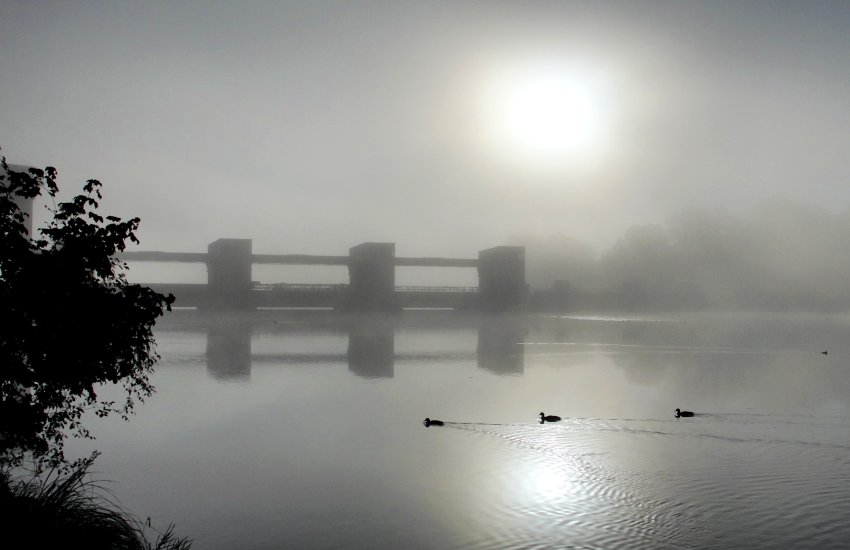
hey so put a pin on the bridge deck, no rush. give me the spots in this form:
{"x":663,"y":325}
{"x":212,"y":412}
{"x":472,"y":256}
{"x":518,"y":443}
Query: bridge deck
{"x":155,"y":256}
{"x":304,"y":287}
{"x":291,"y":259}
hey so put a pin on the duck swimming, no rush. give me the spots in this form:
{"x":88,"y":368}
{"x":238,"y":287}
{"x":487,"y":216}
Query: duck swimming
{"x":549,"y":418}
{"x":680,"y":413}
{"x":428,"y":422}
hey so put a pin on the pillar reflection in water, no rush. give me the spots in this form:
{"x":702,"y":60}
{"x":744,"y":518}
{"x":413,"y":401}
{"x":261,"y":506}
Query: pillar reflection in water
{"x":501,"y":347}
{"x":229,"y":350}
{"x":371,"y":348}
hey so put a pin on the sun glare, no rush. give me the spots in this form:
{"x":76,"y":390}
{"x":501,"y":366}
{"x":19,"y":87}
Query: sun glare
{"x":546,"y":116}
{"x":549,"y":115}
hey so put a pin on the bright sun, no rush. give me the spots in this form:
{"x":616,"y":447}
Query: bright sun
{"x":546,"y":116}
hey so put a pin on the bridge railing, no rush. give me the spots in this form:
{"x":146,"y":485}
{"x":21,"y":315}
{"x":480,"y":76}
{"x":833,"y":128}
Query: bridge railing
{"x":303,"y":287}
{"x":299,"y":287}
{"x":441,"y":289}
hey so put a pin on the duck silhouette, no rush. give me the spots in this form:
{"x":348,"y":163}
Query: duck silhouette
{"x":549,"y":418}
{"x":428,"y":422}
{"x":680,"y":413}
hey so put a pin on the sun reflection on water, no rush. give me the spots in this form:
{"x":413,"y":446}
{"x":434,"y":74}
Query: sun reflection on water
{"x":549,"y":480}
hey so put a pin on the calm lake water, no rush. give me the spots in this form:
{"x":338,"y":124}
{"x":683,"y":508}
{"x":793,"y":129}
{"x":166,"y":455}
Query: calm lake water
{"x":285,"y":430}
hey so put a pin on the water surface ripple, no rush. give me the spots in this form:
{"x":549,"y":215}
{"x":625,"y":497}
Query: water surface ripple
{"x":305,"y":431}
{"x":593,"y":493}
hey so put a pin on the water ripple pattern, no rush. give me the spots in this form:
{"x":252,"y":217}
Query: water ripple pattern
{"x":717,"y":481}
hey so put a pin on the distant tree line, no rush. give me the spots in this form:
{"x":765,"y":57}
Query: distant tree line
{"x":781,"y":256}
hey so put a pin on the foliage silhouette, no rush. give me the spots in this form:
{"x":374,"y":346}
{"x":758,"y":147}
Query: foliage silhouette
{"x":69,"y":320}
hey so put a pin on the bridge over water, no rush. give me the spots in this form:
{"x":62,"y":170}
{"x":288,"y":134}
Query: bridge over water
{"x":371,"y":287}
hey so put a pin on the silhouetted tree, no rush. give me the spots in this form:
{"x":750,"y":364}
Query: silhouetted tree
{"x":69,"y":320}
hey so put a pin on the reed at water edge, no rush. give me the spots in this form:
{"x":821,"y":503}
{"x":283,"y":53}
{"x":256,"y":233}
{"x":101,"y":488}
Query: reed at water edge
{"x":67,"y":509}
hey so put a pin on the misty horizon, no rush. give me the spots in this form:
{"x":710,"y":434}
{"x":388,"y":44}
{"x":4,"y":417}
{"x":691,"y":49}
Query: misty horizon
{"x":781,"y":255}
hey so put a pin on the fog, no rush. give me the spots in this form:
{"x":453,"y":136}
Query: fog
{"x":779,"y":255}
{"x":704,"y":165}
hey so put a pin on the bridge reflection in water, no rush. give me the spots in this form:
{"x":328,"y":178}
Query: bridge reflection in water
{"x":371,"y":348}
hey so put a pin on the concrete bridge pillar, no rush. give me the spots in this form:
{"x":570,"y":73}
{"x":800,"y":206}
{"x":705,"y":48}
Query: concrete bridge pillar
{"x":229,"y":273}
{"x":371,"y":271}
{"x":24,"y":204}
{"x":501,"y":278}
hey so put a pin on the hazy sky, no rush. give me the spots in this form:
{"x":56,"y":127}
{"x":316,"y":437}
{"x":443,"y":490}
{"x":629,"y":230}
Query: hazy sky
{"x":445,"y":127}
